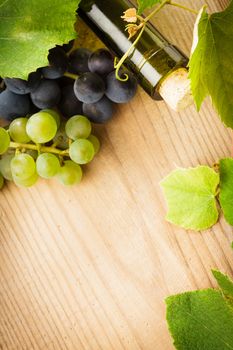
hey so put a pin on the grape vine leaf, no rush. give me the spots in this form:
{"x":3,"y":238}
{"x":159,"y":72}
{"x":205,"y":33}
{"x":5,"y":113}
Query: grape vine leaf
{"x":226,"y":188}
{"x":190,"y":195}
{"x":146,"y":4}
{"x":211,"y":68}
{"x":28,"y":29}
{"x":200,"y":320}
{"x":225,"y":284}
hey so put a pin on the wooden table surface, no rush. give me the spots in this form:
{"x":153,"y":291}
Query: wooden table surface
{"x":89,"y":267}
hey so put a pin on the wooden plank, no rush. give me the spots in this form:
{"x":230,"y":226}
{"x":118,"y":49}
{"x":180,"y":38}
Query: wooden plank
{"x":89,"y":267}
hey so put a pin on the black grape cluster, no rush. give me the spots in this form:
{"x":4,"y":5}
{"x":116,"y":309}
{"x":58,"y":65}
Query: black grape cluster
{"x":49,"y":115}
{"x":93,"y":92}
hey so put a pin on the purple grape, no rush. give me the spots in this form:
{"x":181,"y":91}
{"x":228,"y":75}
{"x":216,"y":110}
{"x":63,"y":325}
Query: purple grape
{"x":89,"y":88}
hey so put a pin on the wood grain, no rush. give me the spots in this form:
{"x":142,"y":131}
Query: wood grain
{"x":89,"y":267}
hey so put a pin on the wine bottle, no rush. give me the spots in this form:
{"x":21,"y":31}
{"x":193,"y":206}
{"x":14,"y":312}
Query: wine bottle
{"x":152,"y":59}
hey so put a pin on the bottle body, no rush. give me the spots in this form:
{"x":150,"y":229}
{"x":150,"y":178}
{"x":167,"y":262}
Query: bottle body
{"x":150,"y":60}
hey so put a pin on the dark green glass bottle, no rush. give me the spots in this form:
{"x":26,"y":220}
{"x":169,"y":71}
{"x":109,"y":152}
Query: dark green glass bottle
{"x":151,"y":60}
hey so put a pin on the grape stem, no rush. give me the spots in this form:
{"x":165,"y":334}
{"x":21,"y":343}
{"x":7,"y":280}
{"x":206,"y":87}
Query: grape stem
{"x":157,"y":9}
{"x":71,"y":75}
{"x":123,"y":58}
{"x":182,"y":7}
{"x":42,"y":148}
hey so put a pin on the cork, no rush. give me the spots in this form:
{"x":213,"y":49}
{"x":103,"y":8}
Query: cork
{"x":176,"y":90}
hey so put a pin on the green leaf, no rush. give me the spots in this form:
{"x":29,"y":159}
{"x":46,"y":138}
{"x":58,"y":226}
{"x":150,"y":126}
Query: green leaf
{"x":190,"y":194}
{"x":211,"y":68}
{"x":225,"y":284}
{"x":200,"y":320}
{"x":28,"y":29}
{"x":226,"y":188}
{"x":146,"y":4}
{"x":197,"y":69}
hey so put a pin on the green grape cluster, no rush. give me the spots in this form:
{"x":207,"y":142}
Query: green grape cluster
{"x":45,"y":146}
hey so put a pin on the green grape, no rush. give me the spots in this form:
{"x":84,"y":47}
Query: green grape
{"x":17,"y":130}
{"x":47,"y":165}
{"x":4,"y":140}
{"x":1,"y":181}
{"x":95,"y":142}
{"x":61,"y":139}
{"x":81,"y":151}
{"x":30,"y":181}
{"x":78,"y":127}
{"x":23,"y":166}
{"x":70,"y":173}
{"x":5,"y":166}
{"x":41,"y":127}
{"x":54,"y":114}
